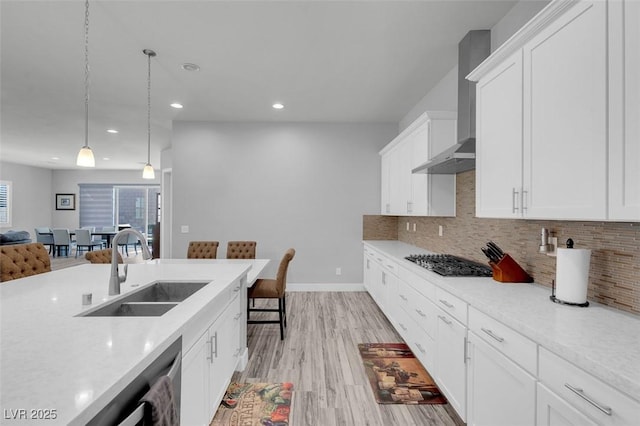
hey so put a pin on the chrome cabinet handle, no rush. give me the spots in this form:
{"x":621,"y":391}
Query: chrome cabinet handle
{"x":403,"y":297}
{"x":368,"y":265}
{"x":445,"y":303}
{"x":446,"y":321}
{"x":409,"y":207}
{"x":491,"y":334}
{"x":214,"y":352}
{"x":581,"y":394}
{"x":422,"y":314}
{"x":384,"y":279}
{"x":388,"y":207}
{"x":514,"y":198}
{"x":237,"y":289}
{"x":402,"y":326}
{"x":524,"y":199}
{"x":237,"y":317}
{"x":420,"y":347}
{"x":236,"y":353}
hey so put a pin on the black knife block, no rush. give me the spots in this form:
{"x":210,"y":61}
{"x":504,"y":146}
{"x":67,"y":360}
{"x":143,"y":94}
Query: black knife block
{"x":507,"y":270}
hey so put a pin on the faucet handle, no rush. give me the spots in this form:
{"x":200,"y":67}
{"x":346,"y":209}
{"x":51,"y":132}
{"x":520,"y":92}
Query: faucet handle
{"x":123,"y":278}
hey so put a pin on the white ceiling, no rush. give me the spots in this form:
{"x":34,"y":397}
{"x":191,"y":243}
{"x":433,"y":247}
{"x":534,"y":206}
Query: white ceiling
{"x":326,"y":61}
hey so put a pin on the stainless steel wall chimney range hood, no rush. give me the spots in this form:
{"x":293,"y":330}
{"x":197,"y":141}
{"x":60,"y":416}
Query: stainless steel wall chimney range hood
{"x":474,"y":48}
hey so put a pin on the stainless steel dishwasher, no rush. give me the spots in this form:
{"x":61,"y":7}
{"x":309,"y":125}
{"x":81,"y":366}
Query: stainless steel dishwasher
{"x":126,"y":408}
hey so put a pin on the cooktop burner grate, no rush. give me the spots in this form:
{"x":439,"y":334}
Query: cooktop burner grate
{"x":450,"y":266}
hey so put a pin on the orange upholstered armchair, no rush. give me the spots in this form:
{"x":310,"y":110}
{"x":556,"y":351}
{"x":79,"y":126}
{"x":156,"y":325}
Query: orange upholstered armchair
{"x":23,"y":260}
{"x":101,"y":256}
{"x":202,"y":250}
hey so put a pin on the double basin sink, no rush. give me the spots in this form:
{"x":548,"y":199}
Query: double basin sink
{"x":152,"y":300}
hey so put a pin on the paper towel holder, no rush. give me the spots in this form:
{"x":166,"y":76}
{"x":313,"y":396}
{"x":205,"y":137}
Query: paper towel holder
{"x":553,"y":298}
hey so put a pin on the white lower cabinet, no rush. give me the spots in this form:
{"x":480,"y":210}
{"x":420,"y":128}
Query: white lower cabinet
{"x":554,"y":411}
{"x":495,"y":379}
{"x":208,"y":365}
{"x":450,"y":361}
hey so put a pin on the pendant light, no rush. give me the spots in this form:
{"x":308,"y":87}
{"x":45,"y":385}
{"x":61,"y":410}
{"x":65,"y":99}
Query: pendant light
{"x":85,"y":156}
{"x":147,"y":172}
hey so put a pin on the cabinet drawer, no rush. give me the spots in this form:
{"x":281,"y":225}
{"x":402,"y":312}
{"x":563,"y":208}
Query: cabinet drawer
{"x":421,"y":310}
{"x":389,"y":265}
{"x":589,"y":395}
{"x":421,"y":285}
{"x":511,"y":343}
{"x":452,"y":305}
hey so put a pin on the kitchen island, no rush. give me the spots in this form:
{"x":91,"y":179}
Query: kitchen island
{"x":60,"y":368}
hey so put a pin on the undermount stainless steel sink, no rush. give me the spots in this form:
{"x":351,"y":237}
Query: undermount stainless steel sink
{"x":152,"y":300}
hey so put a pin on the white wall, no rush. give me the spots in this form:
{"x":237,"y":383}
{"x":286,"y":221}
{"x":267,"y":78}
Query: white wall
{"x":300,"y":185}
{"x":32,"y":196}
{"x":519,"y":15}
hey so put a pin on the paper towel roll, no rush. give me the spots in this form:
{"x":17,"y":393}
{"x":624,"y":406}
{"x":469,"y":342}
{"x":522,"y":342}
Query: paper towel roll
{"x":572,"y":274}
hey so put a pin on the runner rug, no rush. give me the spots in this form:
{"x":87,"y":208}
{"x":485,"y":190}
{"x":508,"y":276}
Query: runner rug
{"x":256,"y":404}
{"x":396,"y":376}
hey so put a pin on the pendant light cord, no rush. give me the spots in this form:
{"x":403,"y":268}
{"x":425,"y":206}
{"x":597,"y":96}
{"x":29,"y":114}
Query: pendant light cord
{"x":149,"y":110}
{"x":86,"y":73}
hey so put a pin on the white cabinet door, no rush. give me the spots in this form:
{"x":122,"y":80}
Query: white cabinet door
{"x":495,"y":379}
{"x":499,"y":140}
{"x":194,"y":401}
{"x":385,"y":184}
{"x":565,"y":116}
{"x":450,"y":363}
{"x":624,"y":110}
{"x":554,"y":411}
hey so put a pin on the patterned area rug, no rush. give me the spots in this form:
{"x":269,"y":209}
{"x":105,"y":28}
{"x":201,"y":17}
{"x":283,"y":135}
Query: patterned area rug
{"x":396,"y":376}
{"x":255,"y":404}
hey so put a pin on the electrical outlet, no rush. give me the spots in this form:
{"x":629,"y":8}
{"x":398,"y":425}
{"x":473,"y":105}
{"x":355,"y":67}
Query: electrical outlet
{"x":338,"y":271}
{"x":440,"y":231}
{"x":184,"y":229}
{"x":407,"y":226}
{"x":414,"y":227}
{"x":553,"y":242}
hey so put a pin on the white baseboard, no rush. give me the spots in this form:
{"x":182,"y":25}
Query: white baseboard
{"x":325,"y":287}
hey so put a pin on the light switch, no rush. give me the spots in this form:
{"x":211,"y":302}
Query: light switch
{"x":184,"y":229}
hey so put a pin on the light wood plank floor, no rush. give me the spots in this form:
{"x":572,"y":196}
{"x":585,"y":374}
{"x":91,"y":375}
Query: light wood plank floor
{"x":320,"y":357}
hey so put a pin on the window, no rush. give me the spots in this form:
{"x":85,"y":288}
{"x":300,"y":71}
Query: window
{"x":111,"y":205}
{"x":5,"y":203}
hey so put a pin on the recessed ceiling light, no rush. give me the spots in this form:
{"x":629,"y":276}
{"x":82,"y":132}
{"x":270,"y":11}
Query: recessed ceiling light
{"x":112,"y":131}
{"x":190,"y":67}
{"x":277,"y":106}
{"x":55,"y":158}
{"x":176,"y":105}
{"x":106,"y":158}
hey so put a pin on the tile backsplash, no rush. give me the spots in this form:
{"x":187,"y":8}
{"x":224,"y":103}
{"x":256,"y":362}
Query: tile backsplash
{"x":614,"y":276}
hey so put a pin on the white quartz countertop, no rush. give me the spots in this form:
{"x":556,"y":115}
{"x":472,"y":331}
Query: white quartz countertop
{"x":52,"y":359}
{"x":603,"y":341}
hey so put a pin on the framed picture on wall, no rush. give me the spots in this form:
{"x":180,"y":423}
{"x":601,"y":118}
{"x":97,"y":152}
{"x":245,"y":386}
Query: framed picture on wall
{"x":65,"y":201}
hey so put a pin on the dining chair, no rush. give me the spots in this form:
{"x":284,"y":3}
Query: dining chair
{"x":23,"y":260}
{"x":61,"y":239}
{"x":272,"y":289}
{"x":132,"y":240}
{"x":97,"y":239}
{"x":241,"y":250}
{"x":44,"y":236}
{"x":83,"y":240}
{"x":202,"y":250}
{"x":101,"y":256}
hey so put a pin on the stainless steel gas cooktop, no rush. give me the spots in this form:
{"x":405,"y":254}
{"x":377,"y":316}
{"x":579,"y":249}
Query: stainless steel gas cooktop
{"x":450,"y":266}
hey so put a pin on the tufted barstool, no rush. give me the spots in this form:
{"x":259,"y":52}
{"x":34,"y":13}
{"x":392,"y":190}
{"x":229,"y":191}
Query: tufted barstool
{"x":23,"y":260}
{"x":241,"y":250}
{"x":202,"y":250}
{"x":101,"y":256}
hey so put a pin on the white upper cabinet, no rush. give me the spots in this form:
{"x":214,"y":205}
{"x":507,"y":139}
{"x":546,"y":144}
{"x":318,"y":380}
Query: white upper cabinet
{"x":565,"y":117}
{"x":499,"y":140}
{"x":624,"y":110}
{"x":564,"y":91}
{"x":406,"y":194}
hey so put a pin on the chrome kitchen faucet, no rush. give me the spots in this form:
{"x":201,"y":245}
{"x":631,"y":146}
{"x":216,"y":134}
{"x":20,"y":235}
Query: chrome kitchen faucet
{"x":116,"y":279}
